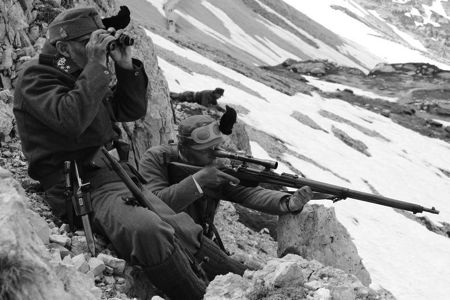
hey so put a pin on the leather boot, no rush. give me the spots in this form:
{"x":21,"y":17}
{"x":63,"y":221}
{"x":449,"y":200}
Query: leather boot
{"x":215,"y":262}
{"x":176,"y":278}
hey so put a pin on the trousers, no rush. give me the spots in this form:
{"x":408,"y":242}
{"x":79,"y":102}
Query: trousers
{"x":139,"y":235}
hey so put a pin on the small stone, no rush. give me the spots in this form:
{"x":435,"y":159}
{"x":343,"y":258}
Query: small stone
{"x":322,"y":294}
{"x":64,"y":228}
{"x":120,"y":280}
{"x":80,"y":263}
{"x":62,"y":250}
{"x":80,"y":233}
{"x":121,"y":285}
{"x":60,"y":239}
{"x":110,"y":280}
{"x":67,"y":260}
{"x":313,"y":285}
{"x":97,"y":292}
{"x":56,"y":255}
{"x":343,"y":293}
{"x":116,"y":263}
{"x":98,"y":280}
{"x":79,"y":245}
{"x":264,"y":231}
{"x":96,"y":266}
{"x":108,"y":271}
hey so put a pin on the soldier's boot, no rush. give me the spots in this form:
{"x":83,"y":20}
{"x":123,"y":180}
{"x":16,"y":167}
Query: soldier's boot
{"x":215,"y":262}
{"x":176,"y":278}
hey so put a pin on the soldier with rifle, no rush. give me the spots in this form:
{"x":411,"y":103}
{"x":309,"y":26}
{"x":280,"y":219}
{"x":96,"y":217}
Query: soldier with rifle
{"x":198,"y":193}
{"x":191,"y":176}
{"x":65,"y":111}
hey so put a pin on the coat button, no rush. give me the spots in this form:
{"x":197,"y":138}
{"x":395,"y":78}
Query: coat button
{"x":106,"y":72}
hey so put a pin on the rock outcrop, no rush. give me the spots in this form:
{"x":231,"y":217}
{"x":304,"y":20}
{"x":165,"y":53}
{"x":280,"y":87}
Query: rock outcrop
{"x":315,"y":233}
{"x":292,"y":277}
{"x":27,"y":271}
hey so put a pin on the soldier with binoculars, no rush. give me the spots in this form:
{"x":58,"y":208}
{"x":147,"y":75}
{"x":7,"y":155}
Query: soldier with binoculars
{"x":65,"y":110}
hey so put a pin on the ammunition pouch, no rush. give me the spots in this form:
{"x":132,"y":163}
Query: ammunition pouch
{"x":81,"y":200}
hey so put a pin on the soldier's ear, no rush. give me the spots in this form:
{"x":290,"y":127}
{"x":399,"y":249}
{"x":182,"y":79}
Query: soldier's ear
{"x":62,"y":48}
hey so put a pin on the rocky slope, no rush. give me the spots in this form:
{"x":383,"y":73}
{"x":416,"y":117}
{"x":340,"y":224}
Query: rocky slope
{"x":418,"y":90}
{"x":299,"y":278}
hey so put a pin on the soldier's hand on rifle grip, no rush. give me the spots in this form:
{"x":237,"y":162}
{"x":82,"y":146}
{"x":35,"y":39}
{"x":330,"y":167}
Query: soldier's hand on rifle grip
{"x":211,"y":177}
{"x":300,"y":197}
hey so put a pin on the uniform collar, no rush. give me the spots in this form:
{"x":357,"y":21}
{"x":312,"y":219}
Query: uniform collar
{"x":66,"y":65}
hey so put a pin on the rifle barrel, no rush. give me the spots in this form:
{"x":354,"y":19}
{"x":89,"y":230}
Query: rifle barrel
{"x":343,"y":193}
{"x":340,"y":192}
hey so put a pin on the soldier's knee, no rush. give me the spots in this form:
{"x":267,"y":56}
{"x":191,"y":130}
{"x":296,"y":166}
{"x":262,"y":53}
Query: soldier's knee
{"x":152,"y":241}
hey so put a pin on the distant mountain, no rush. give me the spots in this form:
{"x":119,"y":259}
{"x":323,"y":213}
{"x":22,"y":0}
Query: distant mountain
{"x":426,"y":20}
{"x":267,"y":32}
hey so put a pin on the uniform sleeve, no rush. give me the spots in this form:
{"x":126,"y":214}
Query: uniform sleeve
{"x":65,"y":109}
{"x":129,"y":100}
{"x":155,"y":171}
{"x":256,"y":198}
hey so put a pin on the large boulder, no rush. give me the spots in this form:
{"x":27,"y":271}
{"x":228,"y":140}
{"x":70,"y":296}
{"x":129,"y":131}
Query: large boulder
{"x":26,"y":269}
{"x":315,"y":233}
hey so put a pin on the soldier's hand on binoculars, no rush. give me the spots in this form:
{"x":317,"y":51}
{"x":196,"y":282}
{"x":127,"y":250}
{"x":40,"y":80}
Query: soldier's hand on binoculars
{"x":120,"y":52}
{"x":96,"y":48}
{"x":211,"y":177}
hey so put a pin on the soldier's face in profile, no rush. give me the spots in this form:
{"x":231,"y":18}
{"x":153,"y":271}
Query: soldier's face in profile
{"x":200,"y":157}
{"x":77,"y":51}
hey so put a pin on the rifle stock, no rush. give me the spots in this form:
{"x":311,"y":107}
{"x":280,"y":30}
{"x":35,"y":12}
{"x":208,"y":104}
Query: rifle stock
{"x":252,"y":177}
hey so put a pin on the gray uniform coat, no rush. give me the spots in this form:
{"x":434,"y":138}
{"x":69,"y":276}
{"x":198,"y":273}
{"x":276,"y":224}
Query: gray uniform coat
{"x":184,"y":195}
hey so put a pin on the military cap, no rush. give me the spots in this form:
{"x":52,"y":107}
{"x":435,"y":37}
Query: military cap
{"x":74,"y":24}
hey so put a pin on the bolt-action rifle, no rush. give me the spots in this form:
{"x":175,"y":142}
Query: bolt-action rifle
{"x":253,"y":176}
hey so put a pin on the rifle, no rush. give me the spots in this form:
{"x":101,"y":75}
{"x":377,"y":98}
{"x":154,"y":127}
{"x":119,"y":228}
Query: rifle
{"x":252,"y":177}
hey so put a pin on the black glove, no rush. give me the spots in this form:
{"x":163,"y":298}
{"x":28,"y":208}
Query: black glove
{"x":227,"y":120}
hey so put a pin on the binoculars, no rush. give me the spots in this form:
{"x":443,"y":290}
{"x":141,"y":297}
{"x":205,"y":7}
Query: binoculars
{"x":122,"y":40}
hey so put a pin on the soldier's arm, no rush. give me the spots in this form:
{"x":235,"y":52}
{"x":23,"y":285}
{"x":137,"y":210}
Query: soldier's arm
{"x":129,"y":101}
{"x":178,"y":195}
{"x":257,"y":198}
{"x":66,"y":109}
